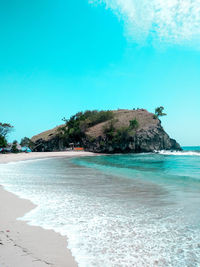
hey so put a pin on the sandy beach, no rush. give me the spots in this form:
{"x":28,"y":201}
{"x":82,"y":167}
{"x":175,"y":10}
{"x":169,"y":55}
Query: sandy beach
{"x":22,"y":245}
{"x":6,"y":158}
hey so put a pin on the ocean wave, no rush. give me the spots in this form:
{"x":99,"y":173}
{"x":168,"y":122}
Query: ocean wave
{"x":178,"y":153}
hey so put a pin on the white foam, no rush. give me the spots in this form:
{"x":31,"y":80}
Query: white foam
{"x":179,"y":153}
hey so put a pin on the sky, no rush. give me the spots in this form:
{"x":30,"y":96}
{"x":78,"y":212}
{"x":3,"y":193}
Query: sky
{"x":61,"y":57}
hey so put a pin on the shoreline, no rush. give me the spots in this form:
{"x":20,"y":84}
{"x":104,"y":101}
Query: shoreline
{"x":8,"y":158}
{"x":24,"y":245}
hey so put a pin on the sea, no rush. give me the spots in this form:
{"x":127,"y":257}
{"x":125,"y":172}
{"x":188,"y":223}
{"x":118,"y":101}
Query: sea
{"x":116,"y":210}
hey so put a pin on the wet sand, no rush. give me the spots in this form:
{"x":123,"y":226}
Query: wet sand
{"x":22,"y":245}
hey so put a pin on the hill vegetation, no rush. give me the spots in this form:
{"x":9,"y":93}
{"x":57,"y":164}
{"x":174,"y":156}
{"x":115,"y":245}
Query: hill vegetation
{"x":75,"y":128}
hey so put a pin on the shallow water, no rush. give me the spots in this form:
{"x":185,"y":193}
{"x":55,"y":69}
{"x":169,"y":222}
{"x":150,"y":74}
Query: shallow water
{"x":121,"y":210}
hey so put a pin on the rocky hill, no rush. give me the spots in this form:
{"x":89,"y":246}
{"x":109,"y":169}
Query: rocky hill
{"x":118,"y":131}
{"x":48,"y":140}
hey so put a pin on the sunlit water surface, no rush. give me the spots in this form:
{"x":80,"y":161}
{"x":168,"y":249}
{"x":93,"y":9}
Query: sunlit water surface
{"x":120,"y":210}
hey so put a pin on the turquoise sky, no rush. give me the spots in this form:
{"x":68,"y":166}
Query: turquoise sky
{"x":61,"y":57}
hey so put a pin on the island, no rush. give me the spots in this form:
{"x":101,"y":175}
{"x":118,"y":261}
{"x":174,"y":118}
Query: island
{"x":111,"y":131}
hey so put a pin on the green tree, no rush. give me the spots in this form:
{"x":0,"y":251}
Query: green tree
{"x":14,"y":148}
{"x":26,"y":142}
{"x":159,"y":112}
{"x":5,"y":129}
{"x":3,"y":142}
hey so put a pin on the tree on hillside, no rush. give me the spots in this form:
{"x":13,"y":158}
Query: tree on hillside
{"x":159,"y":112}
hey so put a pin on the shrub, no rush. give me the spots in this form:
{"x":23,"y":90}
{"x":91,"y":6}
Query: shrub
{"x":94,"y":117}
{"x":133,"y":124}
{"x":122,"y":134}
{"x":116,"y":136}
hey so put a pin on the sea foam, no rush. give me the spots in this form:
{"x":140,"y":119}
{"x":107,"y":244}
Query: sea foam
{"x":179,"y":153}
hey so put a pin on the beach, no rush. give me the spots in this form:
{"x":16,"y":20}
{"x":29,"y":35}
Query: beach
{"x":23,"y":245}
{"x":6,"y":158}
{"x":117,"y":210}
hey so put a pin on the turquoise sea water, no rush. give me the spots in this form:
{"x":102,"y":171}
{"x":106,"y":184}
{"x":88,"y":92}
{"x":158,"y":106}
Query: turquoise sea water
{"x":117,"y":210}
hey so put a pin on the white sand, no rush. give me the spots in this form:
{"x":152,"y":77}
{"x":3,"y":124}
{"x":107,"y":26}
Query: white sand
{"x":5,"y":158}
{"x":22,"y":245}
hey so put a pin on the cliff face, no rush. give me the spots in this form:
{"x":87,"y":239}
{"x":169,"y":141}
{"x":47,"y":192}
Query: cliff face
{"x":148,"y":137}
{"x":145,"y":140}
{"x":116,"y":135}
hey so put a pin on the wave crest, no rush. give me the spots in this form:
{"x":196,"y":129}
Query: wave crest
{"x":179,"y":153}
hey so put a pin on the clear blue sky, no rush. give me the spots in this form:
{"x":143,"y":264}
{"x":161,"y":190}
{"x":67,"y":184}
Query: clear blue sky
{"x":61,"y":57}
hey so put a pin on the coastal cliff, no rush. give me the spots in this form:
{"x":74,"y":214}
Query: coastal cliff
{"x":118,"y":131}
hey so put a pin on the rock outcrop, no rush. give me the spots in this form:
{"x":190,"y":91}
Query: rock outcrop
{"x":147,"y":136}
{"x":48,"y":141}
{"x":144,"y":140}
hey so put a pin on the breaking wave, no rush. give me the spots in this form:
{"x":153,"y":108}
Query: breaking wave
{"x":179,"y":153}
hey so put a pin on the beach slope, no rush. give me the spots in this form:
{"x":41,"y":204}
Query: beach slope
{"x":22,"y":245}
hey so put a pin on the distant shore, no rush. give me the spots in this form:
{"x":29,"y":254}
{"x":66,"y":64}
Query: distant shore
{"x":23,"y":245}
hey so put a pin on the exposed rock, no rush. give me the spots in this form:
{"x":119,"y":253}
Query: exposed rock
{"x":150,"y":135}
{"x":48,"y":141}
{"x":144,"y":140}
